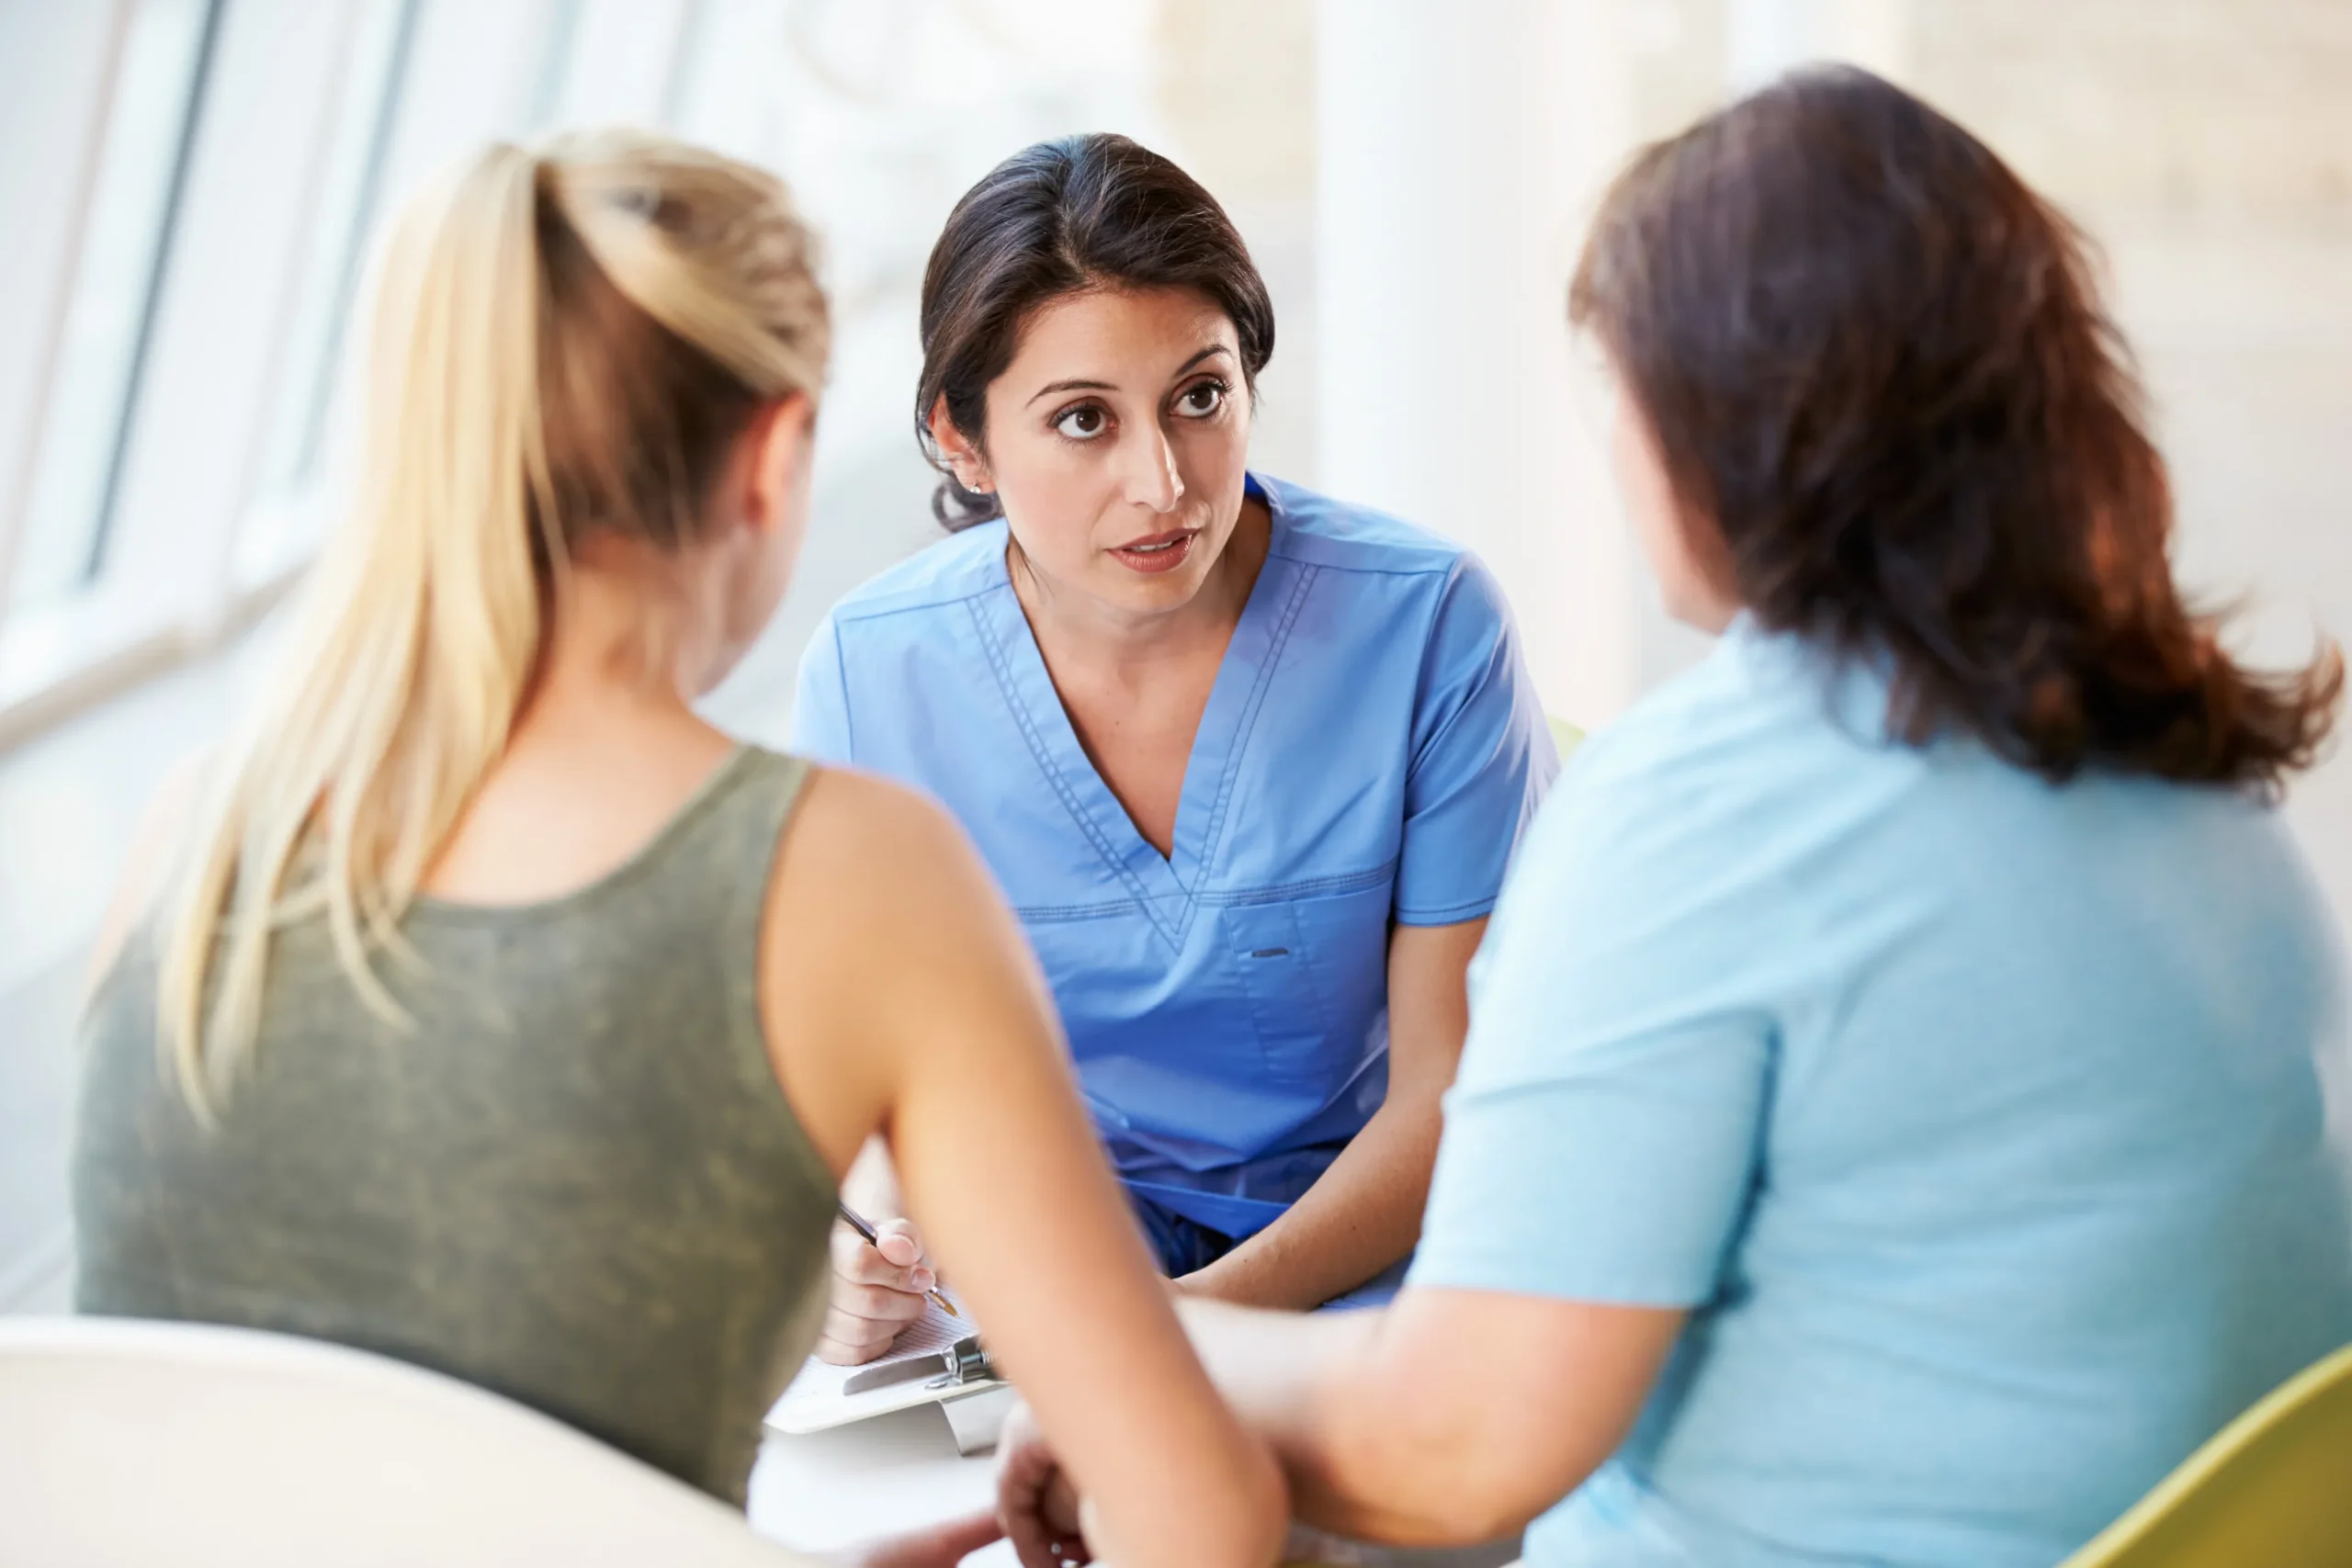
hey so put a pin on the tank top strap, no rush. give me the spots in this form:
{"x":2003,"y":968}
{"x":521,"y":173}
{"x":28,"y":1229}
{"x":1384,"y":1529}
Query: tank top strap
{"x":726,"y":850}
{"x":710,"y":870}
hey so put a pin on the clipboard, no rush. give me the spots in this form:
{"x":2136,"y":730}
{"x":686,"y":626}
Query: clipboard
{"x":937,"y":1360}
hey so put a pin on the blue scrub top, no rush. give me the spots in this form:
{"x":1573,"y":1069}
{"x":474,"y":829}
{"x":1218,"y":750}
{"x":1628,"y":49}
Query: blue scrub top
{"x":1370,"y":751}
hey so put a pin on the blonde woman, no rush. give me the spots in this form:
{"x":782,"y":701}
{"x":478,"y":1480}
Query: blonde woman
{"x":497,"y":1013}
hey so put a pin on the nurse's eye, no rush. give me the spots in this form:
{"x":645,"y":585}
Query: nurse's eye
{"x":1201,"y":398}
{"x":1083,"y":422}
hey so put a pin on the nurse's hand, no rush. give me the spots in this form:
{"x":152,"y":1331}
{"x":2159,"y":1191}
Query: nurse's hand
{"x":877,"y":1292}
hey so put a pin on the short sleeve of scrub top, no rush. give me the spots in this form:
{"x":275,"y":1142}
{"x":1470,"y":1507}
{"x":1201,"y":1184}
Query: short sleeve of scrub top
{"x":1370,"y":751}
{"x":820,"y":709}
{"x":1469,"y":767}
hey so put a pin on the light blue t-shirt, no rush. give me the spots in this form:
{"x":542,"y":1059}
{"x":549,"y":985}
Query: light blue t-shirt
{"x":1371,"y":751}
{"x":1979,"y":1122}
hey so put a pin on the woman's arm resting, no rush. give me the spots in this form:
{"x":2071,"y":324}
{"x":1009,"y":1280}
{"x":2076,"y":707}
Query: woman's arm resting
{"x":1450,"y":1417}
{"x":903,"y":996}
{"x":1365,"y":1211}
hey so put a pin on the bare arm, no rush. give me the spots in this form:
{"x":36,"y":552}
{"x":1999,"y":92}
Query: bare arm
{"x":899,"y":995}
{"x":1414,"y":1424}
{"x":1411,"y":1425}
{"x":1365,"y":1211}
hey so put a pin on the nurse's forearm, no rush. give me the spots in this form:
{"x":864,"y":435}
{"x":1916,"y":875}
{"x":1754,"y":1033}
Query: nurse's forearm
{"x":1365,"y":1212}
{"x":1363,"y":1215}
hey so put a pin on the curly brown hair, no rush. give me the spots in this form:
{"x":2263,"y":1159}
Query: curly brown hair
{"x":1883,"y":384}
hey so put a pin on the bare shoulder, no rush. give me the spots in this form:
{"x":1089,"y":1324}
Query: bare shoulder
{"x":863,"y":815}
{"x":863,"y":848}
{"x":885,"y":938}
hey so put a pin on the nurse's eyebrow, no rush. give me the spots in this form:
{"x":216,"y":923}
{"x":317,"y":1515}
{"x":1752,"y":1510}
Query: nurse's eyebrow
{"x":1209,"y":352}
{"x":1050,"y":388}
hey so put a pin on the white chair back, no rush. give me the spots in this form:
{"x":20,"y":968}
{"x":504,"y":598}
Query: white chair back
{"x":130,"y":1444}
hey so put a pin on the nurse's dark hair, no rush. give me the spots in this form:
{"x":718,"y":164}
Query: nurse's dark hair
{"x":1062,"y":218}
{"x":1897,"y":420}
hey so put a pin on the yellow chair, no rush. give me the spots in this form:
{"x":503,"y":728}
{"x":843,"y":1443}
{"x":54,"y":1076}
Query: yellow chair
{"x":2273,"y":1489}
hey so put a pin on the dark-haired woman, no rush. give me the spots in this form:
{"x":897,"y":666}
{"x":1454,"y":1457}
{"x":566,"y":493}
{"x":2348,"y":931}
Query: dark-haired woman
{"x":1248,"y":760}
{"x":1893,"y":1129}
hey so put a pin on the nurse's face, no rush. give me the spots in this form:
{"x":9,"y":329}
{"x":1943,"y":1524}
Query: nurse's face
{"x":1116,"y":443}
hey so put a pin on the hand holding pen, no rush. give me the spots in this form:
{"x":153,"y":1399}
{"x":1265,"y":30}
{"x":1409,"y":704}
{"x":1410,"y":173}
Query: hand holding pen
{"x":882,"y":1283}
{"x":858,"y":1224}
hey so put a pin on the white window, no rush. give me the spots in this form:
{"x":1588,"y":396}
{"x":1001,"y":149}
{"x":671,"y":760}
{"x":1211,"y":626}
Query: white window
{"x":156,"y":99}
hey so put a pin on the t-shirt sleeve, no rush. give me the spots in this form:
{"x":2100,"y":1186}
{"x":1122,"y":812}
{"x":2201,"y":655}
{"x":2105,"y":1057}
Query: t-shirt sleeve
{"x":1602,"y":1136}
{"x":821,"y":729}
{"x":1482,"y":758}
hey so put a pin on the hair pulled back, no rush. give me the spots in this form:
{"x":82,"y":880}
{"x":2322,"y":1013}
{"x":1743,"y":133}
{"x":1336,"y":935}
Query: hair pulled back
{"x":566,"y":339}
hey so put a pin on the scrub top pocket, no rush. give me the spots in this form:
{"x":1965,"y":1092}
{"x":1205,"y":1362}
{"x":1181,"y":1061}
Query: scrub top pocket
{"x":1159,"y":1055}
{"x":1295,"y":958}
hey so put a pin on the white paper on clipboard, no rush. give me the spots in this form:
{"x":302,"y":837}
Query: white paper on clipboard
{"x":818,"y":1400}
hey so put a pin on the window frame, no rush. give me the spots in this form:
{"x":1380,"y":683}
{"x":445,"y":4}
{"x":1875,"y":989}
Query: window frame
{"x":68,"y":239}
{"x":196,"y":430}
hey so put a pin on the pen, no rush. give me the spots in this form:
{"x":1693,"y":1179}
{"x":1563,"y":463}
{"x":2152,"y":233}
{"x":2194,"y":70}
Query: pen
{"x":857,"y":1223}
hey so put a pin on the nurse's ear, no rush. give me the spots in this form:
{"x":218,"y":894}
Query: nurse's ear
{"x":963,"y":456}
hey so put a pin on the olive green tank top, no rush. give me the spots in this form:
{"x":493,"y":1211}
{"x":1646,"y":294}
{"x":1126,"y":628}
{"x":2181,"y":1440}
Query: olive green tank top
{"x":573,"y":1180}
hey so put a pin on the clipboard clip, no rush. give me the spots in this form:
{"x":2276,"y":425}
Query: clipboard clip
{"x":966,"y":1361}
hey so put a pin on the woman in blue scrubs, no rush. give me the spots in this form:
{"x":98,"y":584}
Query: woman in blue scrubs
{"x":1250,"y":761}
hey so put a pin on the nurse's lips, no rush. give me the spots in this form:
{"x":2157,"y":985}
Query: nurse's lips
{"x":1157,"y":553}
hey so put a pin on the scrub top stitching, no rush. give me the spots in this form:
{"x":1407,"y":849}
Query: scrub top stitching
{"x":1010,"y":688}
{"x":1283,"y":892}
{"x":1251,"y":705}
{"x":1313,"y":886}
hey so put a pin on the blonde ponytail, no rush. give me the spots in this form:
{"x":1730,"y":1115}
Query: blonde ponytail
{"x":564,"y":341}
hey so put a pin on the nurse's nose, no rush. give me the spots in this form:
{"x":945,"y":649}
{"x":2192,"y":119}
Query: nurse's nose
{"x":1152,"y":481}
